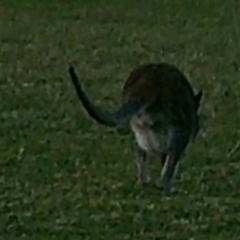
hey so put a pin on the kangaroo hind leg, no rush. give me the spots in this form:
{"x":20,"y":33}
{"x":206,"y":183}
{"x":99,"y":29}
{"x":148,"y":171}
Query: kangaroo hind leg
{"x":142,"y":166}
{"x":167,"y":170}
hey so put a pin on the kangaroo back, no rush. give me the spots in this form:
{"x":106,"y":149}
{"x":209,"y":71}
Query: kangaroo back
{"x":166,"y":91}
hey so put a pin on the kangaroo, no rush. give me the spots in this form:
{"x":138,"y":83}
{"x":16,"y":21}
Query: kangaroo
{"x":162,"y":109}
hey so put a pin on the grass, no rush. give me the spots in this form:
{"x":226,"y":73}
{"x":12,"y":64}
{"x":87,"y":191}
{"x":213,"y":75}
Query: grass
{"x":64,"y":177}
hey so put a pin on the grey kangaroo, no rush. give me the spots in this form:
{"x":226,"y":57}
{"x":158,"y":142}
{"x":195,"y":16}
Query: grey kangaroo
{"x":162,"y":109}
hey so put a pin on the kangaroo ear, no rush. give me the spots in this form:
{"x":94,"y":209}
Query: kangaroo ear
{"x":198,"y":98}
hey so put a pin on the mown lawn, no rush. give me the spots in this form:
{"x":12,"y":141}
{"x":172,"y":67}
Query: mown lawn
{"x":62,"y":176}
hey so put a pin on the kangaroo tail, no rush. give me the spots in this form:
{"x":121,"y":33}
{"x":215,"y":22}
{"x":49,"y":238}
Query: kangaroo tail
{"x":112,"y":119}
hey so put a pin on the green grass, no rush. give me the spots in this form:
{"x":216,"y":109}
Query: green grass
{"x":62,"y":176}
